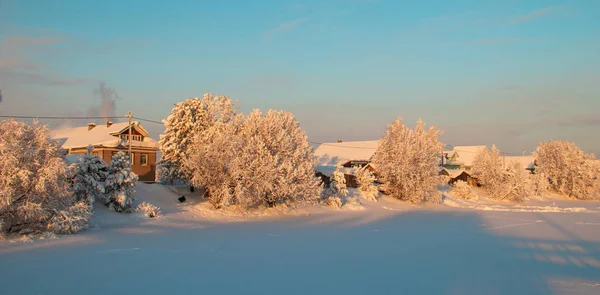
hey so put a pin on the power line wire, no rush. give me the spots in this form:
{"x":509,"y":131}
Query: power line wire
{"x":147,"y":120}
{"x":58,"y":118}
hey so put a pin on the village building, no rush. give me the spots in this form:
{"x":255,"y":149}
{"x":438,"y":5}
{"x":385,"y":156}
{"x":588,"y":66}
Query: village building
{"x":347,"y":155}
{"x":109,"y":139}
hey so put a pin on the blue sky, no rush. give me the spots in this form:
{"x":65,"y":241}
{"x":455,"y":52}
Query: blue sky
{"x":511,"y":73}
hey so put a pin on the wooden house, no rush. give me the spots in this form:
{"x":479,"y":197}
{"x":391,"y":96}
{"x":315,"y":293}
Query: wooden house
{"x":347,"y":155}
{"x":111,"y":138}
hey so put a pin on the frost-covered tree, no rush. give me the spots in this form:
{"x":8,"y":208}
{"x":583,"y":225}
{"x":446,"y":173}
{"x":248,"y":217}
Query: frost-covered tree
{"x":187,"y":119}
{"x":517,"y":184}
{"x":89,"y":173}
{"x":35,"y":184}
{"x":487,"y":169}
{"x":512,"y":183}
{"x":337,"y":184}
{"x":407,"y":162}
{"x":254,"y":159}
{"x":463,"y":190}
{"x":366,"y":183}
{"x":570,"y":171}
{"x":120,"y":183}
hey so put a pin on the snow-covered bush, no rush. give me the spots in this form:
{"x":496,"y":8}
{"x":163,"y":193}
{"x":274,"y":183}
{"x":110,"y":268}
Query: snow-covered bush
{"x":187,"y":119}
{"x":517,"y":186}
{"x":487,"y":169}
{"x":337,"y":185}
{"x":72,"y":219}
{"x":88,"y":177}
{"x":407,"y":162}
{"x":569,"y":170}
{"x":120,"y":183}
{"x":513,"y":183}
{"x":462,"y":190}
{"x":366,"y":183}
{"x":253,"y":159}
{"x":334,"y":202}
{"x":539,"y":183}
{"x":148,"y":210}
{"x":35,"y":187}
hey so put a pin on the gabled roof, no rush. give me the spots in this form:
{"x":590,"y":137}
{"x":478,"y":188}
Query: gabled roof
{"x":334,"y":153}
{"x":101,"y":136}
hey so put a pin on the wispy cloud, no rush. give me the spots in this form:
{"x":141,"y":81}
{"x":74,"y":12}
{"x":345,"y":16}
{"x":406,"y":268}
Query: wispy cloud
{"x":533,"y":15}
{"x":286,"y":27}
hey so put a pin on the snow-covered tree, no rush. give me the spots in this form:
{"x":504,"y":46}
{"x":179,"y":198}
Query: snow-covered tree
{"x":120,"y":183}
{"x":517,"y":184}
{"x":512,"y":183}
{"x":337,"y":184}
{"x":463,"y":190}
{"x":187,"y":119}
{"x":407,"y":162}
{"x":253,"y":159}
{"x":570,"y":171}
{"x":35,"y":187}
{"x":487,"y":169}
{"x":366,"y":183}
{"x":89,"y":172}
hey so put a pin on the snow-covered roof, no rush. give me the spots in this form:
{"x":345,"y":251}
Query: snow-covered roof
{"x":525,"y":161}
{"x":328,"y":170}
{"x":101,"y":135}
{"x":334,"y":153}
{"x":453,"y":173}
{"x":467,"y":154}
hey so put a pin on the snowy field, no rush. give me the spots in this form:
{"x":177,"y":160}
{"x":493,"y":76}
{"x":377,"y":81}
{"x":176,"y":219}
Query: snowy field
{"x":546,"y":246}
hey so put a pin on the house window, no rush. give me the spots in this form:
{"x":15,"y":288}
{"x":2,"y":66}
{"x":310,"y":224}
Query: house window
{"x":132,"y":158}
{"x":133,"y":136}
{"x":144,"y":159}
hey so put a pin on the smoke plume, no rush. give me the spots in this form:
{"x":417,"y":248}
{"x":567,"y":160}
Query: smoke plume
{"x":107,"y":107}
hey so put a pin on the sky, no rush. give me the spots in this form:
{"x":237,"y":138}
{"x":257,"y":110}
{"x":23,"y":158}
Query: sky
{"x":511,"y":73}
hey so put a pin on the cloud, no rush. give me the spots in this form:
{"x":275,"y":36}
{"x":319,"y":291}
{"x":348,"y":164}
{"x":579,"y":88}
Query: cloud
{"x":496,"y":41}
{"x":286,"y":27}
{"x":533,"y":15}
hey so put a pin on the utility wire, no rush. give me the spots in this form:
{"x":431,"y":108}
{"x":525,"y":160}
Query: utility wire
{"x":159,"y":122}
{"x":59,"y":118}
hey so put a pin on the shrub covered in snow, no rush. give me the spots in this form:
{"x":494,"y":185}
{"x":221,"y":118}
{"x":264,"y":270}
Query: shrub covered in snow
{"x":35,"y":188}
{"x":120,"y":183}
{"x":511,"y":184}
{"x":72,"y":219}
{"x":487,"y":168}
{"x":253,"y":159}
{"x":334,"y":202}
{"x":366,"y":183}
{"x":337,"y":185}
{"x":187,"y":119}
{"x":148,"y":210}
{"x":88,"y":177}
{"x":462,"y":190}
{"x":570,"y":171}
{"x":407,"y":162}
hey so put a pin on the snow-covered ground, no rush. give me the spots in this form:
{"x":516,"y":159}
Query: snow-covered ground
{"x":547,"y":246}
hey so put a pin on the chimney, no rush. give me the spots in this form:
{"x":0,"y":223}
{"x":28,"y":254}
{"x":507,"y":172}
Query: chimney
{"x":91,"y":126}
{"x":108,"y":123}
{"x":339,"y":140}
